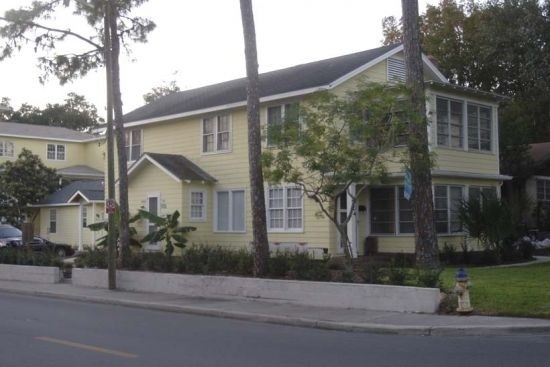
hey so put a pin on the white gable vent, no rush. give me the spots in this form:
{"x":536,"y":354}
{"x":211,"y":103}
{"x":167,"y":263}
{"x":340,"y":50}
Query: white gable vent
{"x":396,"y":70}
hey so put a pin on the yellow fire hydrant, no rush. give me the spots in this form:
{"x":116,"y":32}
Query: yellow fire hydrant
{"x":462,"y":290}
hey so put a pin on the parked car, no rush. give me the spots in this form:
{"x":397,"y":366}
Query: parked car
{"x":13,"y":237}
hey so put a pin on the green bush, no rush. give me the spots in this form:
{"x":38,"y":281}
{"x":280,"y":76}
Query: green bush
{"x":430,"y":278}
{"x":18,"y":256}
{"x":372,"y":273}
{"x":92,"y":258}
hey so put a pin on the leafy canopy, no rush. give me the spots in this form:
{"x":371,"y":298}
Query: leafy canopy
{"x":335,"y":141}
{"x":164,"y":90}
{"x":36,"y":25}
{"x":24,"y":181}
{"x":76,"y":114}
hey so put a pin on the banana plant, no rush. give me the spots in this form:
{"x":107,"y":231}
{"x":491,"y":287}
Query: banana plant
{"x":167,"y":230}
{"x":104,"y":226}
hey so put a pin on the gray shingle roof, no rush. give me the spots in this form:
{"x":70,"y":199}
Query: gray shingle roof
{"x":93,"y":190}
{"x":310,"y":75}
{"x":42,"y":131}
{"x":180,"y":167}
{"x":80,"y":171}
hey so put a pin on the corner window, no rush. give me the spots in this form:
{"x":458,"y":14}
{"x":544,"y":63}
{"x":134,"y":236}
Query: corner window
{"x":449,"y":123}
{"x":277,"y":118}
{"x":447,"y":202}
{"x":6,"y":149}
{"x":230,"y":215}
{"x":285,"y":209}
{"x":216,"y":134}
{"x":53,"y":221}
{"x":133,"y":145}
{"x":479,"y":127}
{"x":56,"y":152}
{"x":197,"y":209}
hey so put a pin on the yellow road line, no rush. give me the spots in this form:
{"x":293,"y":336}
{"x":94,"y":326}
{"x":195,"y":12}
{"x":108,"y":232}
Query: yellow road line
{"x":87,"y":347}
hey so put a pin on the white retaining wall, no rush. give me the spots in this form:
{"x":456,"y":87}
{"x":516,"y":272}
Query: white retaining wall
{"x":36,"y":274}
{"x":338,"y":295}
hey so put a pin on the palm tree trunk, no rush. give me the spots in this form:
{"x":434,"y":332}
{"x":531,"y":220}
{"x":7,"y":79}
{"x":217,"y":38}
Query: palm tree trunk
{"x":422,"y":199}
{"x":257,"y":197}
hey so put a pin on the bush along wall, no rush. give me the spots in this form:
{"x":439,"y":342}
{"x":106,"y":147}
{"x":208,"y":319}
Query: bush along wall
{"x":217,"y":260}
{"x":17,"y":256}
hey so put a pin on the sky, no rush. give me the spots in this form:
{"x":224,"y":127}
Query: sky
{"x":200,"y":42}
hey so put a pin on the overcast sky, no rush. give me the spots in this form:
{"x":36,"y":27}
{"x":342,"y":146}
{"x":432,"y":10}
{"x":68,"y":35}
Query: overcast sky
{"x":199,"y":42}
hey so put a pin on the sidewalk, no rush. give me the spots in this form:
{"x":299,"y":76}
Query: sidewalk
{"x":317,"y":317}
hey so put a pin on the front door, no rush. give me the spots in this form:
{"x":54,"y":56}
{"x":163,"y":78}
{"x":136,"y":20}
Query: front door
{"x":153,"y":208}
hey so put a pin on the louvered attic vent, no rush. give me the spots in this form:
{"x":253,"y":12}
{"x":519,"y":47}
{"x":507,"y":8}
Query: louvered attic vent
{"x":396,"y":70}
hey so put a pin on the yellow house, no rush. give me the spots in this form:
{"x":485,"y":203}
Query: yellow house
{"x":76,"y":156}
{"x":188,"y":152}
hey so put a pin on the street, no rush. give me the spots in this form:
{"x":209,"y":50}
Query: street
{"x":37,"y":331}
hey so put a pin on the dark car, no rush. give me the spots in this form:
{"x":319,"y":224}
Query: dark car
{"x":13,"y":237}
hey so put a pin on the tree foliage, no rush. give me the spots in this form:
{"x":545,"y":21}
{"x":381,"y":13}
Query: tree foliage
{"x":104,"y":226}
{"x":501,"y":46}
{"x":36,"y":25}
{"x":336,"y":142}
{"x":76,"y":114}
{"x":24,"y":181}
{"x":161,"y":91}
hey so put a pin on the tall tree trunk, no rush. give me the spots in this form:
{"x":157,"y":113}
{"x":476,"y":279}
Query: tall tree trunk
{"x":257,"y":197}
{"x":111,"y":240}
{"x":120,"y":139}
{"x":422,"y":198}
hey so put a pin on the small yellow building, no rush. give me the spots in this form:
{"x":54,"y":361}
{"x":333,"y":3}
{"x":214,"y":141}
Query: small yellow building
{"x":188,"y":152}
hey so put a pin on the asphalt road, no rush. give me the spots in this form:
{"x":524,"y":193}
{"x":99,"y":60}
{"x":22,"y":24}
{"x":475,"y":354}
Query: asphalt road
{"x":36,"y":331}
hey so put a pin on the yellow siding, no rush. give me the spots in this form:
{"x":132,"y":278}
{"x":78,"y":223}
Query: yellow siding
{"x":94,"y":154}
{"x":67,"y":224}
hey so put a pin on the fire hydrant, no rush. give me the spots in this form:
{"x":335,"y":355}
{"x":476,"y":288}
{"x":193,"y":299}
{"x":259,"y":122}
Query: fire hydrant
{"x":462,"y":290}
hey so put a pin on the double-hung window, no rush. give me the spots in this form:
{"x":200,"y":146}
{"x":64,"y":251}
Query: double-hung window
{"x":543,"y":191}
{"x":6,"y":148}
{"x":449,"y":122}
{"x":479,"y":127}
{"x":285,"y":209}
{"x":230,"y":214}
{"x":279,"y":119}
{"x":53,"y":221}
{"x":56,"y":152}
{"x":133,"y":145}
{"x":197,"y":210}
{"x":388,"y":207}
{"x":447,"y":202}
{"x":478,"y":192}
{"x":216,"y":134}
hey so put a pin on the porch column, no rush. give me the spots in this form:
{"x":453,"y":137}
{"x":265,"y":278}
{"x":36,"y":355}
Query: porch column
{"x":352,"y":224}
{"x":79,"y":226}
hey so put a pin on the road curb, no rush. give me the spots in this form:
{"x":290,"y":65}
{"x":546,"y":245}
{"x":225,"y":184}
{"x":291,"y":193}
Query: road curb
{"x":417,"y":330}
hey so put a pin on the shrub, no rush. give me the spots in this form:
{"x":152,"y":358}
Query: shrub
{"x":92,"y":258}
{"x":20,"y":256}
{"x":448,"y":254}
{"x":429,"y":278}
{"x":372,"y":273}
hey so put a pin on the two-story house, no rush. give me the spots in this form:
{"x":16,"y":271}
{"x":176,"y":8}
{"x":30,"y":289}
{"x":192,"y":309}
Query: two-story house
{"x":77,"y":157}
{"x":188,"y":152}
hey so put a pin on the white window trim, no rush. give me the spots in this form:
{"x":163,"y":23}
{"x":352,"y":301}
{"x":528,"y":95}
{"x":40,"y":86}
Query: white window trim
{"x":492,"y":130}
{"x":204,"y":205}
{"x":56,"y":146}
{"x":129,"y":145}
{"x":285,"y":209}
{"x":463,"y":123}
{"x":84,"y":216}
{"x":397,"y":231}
{"x":398,"y":79}
{"x":4,"y":144}
{"x":266,"y":143}
{"x":215,"y":221}
{"x":216,"y":151}
{"x":433,"y":123}
{"x":448,"y":188}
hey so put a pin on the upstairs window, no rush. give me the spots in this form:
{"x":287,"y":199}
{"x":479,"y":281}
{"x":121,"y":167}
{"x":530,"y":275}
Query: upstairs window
{"x":216,"y":134}
{"x":479,"y":127}
{"x":278,"y":119}
{"x":56,"y":152}
{"x":449,"y":123}
{"x":6,"y":148}
{"x":133,"y":145}
{"x":396,"y":70}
